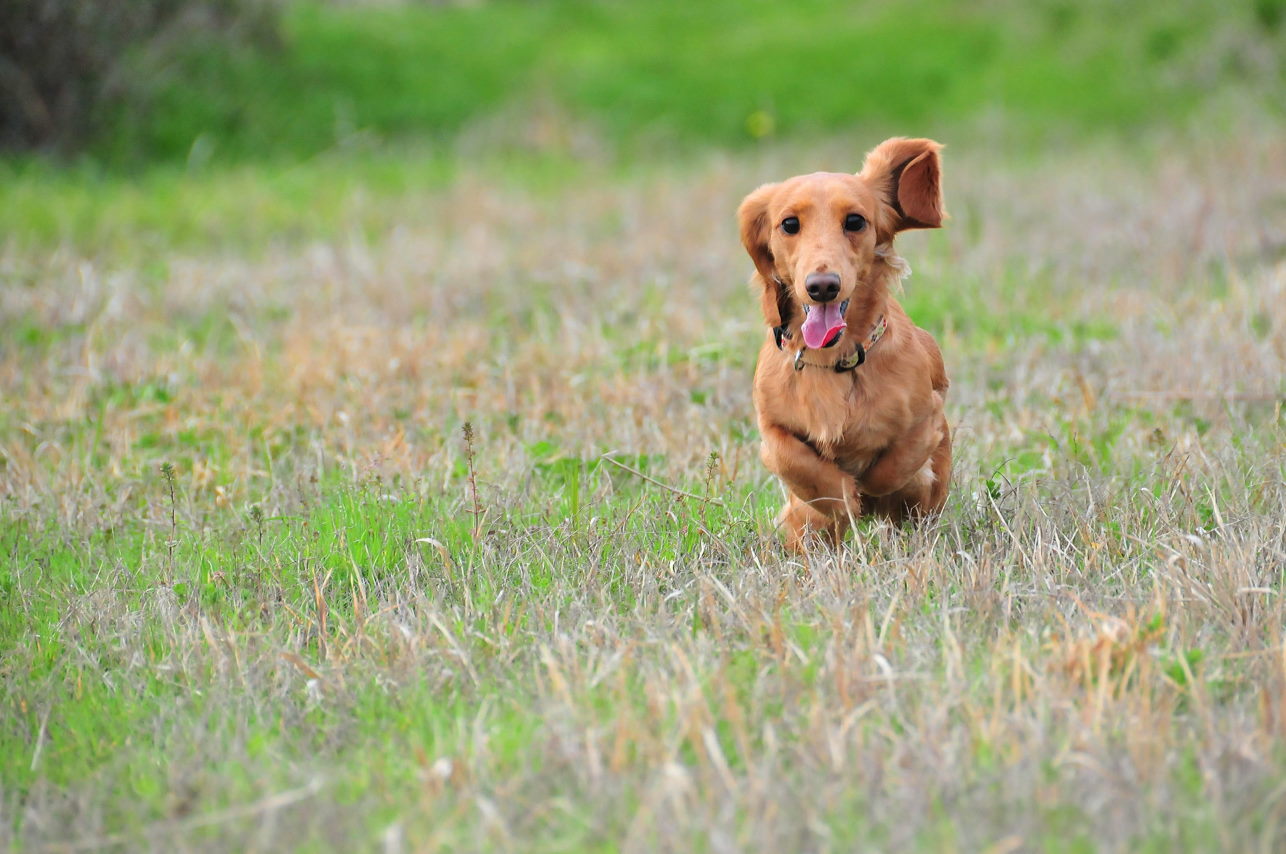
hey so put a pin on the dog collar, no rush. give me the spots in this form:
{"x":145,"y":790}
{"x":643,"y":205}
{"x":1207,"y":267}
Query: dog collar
{"x":845,"y":364}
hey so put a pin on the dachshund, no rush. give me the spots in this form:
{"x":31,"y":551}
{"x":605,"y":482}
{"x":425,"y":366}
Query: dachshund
{"x":848,"y":392}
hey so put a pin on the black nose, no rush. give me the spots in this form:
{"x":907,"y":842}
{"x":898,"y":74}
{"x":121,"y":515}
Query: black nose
{"x":822,"y":287}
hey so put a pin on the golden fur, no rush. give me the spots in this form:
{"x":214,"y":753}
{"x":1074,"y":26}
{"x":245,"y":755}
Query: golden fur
{"x":875,"y":439}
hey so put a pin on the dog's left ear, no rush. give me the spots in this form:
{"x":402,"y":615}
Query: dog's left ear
{"x":755,"y":231}
{"x":907,"y":173}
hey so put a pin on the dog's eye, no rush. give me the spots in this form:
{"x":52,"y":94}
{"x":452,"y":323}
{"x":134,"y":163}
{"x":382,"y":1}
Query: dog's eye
{"x":854,"y":222}
{"x":790,"y":225}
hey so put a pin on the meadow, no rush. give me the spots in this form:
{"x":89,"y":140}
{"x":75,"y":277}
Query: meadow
{"x":404,"y":494}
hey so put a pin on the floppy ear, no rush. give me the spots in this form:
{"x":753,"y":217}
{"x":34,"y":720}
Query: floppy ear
{"x":907,"y":173}
{"x":755,"y":230}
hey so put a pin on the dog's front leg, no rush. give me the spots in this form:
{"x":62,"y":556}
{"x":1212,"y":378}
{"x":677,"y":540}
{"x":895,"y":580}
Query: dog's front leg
{"x":822,"y":497}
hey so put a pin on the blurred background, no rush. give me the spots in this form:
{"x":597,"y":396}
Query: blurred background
{"x":316,"y":98}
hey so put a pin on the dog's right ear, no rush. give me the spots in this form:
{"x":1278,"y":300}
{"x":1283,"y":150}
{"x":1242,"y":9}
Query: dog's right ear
{"x":755,"y":231}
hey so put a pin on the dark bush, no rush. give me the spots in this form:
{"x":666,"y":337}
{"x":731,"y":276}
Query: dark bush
{"x":65,"y":63}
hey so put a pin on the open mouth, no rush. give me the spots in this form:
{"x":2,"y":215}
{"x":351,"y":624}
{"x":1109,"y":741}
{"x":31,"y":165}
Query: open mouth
{"x":823,"y":324}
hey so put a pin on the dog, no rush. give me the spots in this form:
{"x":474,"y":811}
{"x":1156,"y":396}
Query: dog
{"x":848,"y":392}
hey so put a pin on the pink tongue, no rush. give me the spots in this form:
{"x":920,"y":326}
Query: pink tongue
{"x":822,"y":322}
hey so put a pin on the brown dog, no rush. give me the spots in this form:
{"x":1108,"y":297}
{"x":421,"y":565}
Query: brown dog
{"x":848,"y":391}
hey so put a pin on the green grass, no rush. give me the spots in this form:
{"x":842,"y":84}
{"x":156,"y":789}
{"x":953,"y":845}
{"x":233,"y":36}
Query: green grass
{"x":719,"y":72}
{"x":117,"y":697}
{"x":124,"y":655}
{"x":257,"y":591}
{"x":360,"y":110}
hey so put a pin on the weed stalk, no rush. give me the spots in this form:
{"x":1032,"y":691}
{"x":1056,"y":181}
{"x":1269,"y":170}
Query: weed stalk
{"x":167,"y":471}
{"x":473,"y":479}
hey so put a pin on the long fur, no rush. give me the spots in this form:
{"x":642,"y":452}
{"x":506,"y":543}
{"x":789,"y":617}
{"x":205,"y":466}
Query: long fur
{"x":874,"y":440}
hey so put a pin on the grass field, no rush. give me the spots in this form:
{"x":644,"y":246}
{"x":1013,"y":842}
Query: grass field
{"x":402,"y":500}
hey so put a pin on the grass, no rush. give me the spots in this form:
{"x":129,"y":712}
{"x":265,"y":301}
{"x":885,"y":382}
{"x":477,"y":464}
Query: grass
{"x":671,"y":73}
{"x":374,"y":471}
{"x":365,"y":107}
{"x":249,"y":206}
{"x":259,"y":591}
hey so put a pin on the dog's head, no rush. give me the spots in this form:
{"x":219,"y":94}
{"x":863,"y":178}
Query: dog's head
{"x":818,"y":240}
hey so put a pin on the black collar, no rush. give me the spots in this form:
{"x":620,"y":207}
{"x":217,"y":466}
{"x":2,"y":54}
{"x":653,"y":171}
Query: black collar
{"x":840,"y":366}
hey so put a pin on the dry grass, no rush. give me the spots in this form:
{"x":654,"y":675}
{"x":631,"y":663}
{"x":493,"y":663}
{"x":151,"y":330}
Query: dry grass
{"x":1085,"y":652}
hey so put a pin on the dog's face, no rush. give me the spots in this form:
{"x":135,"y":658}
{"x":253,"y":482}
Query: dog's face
{"x":814,"y":238}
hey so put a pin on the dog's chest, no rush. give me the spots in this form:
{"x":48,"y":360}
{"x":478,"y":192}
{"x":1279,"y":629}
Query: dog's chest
{"x":840,"y":417}
{"x":845,"y":421}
